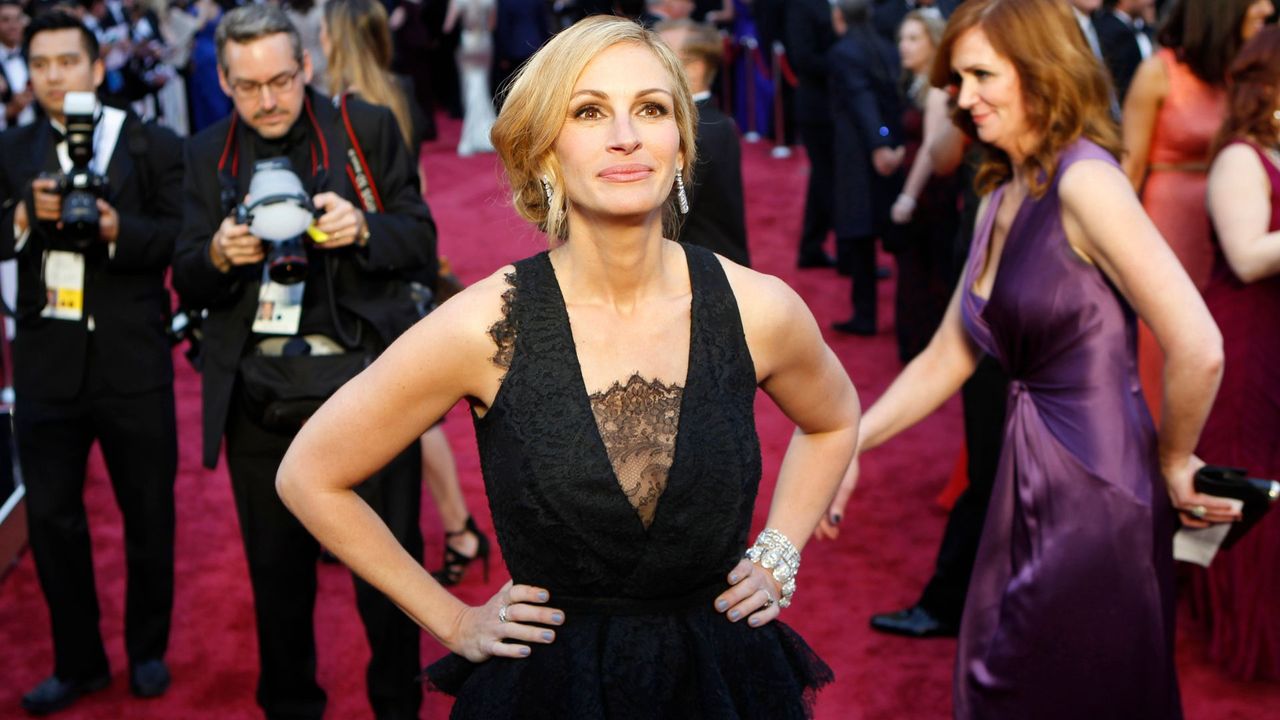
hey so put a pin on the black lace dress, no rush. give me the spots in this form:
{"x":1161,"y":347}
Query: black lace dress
{"x":630,"y":506}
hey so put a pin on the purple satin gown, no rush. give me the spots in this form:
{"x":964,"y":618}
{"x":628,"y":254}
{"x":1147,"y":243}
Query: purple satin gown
{"x":1070,"y":610}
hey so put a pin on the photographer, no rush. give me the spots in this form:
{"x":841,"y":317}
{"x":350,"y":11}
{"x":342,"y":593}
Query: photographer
{"x":91,"y":210}
{"x":274,"y":352}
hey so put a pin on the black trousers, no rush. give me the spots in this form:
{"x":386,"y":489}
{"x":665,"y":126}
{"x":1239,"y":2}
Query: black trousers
{"x":139,"y":441}
{"x":819,"y":145}
{"x":985,"y":396}
{"x":856,"y":257}
{"x":282,"y":559}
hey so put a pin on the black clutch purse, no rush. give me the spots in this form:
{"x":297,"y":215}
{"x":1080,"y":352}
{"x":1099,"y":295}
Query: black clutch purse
{"x":1258,"y":495}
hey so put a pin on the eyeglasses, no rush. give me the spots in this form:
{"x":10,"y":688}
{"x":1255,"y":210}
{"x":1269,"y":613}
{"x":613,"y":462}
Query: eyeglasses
{"x":252,"y":90}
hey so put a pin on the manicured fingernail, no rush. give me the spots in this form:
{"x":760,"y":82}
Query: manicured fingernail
{"x":836,"y":518}
{"x":722,"y":605}
{"x":524,"y":651}
{"x":733,"y":579}
{"x":548,"y":635}
{"x":542,"y":596}
{"x":734,"y":615}
{"x":557,"y":618}
{"x":754,"y":621}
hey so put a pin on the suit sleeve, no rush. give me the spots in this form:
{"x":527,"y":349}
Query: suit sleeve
{"x":9,"y":199}
{"x":146,"y":237}
{"x":851,"y":89}
{"x":197,"y":281}
{"x":402,"y":236}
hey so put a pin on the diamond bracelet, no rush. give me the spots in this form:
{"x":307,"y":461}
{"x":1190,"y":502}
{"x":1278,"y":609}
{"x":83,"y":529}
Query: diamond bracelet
{"x":773,"y":551}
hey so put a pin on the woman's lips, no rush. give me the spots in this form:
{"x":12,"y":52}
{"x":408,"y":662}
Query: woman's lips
{"x":626,"y":173}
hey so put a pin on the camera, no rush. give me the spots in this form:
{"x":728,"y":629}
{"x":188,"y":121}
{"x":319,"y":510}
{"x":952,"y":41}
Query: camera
{"x":278,"y":211}
{"x":81,"y":187}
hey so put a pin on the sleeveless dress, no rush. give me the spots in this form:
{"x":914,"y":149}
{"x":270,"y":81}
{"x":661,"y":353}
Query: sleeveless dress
{"x":641,"y":638}
{"x":1238,"y":596}
{"x":1070,"y":609}
{"x":1173,"y":194}
{"x":475,"y":55}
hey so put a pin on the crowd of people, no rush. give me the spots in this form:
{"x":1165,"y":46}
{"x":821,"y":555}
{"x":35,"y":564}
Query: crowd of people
{"x":1080,"y":198}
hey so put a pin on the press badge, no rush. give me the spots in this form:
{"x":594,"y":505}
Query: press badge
{"x":64,"y":285}
{"x":279,"y":307}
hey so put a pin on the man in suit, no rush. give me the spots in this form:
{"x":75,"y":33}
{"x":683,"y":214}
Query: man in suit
{"x":91,"y":361}
{"x":15,"y":95}
{"x":1126,"y":39}
{"x":716,"y":218}
{"x":353,"y":303}
{"x":521,"y":28}
{"x":862,"y":72}
{"x":808,"y":35}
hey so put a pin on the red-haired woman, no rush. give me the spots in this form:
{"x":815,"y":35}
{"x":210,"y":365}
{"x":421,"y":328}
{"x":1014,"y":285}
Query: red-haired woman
{"x":1237,"y":596}
{"x":1070,"y":609}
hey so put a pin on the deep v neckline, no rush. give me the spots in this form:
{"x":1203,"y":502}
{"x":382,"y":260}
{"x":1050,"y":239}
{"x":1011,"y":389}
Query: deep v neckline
{"x":582,"y":398}
{"x":983,"y":257}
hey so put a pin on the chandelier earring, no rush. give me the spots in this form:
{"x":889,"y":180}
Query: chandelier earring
{"x":547,"y":189}
{"x":681,"y":197}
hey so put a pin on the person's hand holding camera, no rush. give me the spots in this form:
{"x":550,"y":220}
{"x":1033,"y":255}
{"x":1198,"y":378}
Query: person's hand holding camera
{"x":341,"y":221}
{"x":108,"y":222}
{"x":234,"y":245}
{"x":47,"y":200}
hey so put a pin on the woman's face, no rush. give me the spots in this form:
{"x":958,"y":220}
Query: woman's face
{"x":915,"y":46}
{"x":619,"y":147}
{"x":1255,"y":16}
{"x":991,"y":92}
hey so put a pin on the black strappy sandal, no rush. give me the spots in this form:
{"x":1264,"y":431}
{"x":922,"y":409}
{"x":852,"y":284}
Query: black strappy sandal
{"x":455,"y":563}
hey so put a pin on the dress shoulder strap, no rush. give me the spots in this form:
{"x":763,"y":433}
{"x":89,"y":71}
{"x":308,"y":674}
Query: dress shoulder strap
{"x":717,"y":333}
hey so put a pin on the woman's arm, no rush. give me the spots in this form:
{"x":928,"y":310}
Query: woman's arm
{"x":1106,"y":225}
{"x":450,"y":17}
{"x":368,"y":422}
{"x":1240,"y":206}
{"x":1141,"y":106}
{"x":942,"y":139}
{"x":805,"y":378}
{"x":922,"y":166}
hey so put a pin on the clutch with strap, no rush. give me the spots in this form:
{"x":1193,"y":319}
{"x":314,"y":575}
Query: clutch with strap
{"x":1257,"y":494}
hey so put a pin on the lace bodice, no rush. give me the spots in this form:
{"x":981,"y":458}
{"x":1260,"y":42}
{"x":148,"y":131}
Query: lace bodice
{"x":637,"y":421}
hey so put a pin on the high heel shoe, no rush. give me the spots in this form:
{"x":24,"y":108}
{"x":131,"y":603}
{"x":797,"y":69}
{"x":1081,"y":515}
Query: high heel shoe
{"x":455,"y":563}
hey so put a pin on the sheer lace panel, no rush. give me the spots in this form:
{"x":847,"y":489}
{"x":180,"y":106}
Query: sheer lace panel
{"x":638,"y":423}
{"x":503,"y":331}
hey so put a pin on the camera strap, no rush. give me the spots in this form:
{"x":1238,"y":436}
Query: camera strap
{"x":357,"y":166}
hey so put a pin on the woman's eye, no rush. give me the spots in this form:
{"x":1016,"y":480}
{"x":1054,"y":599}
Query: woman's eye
{"x":653,"y":110}
{"x":588,"y":112}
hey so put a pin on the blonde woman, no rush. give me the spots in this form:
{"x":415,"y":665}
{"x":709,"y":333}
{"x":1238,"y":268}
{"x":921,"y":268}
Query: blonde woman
{"x":612,"y":381}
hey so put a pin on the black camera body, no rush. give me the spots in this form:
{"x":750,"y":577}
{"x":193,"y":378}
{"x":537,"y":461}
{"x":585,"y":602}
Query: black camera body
{"x":81,"y":187}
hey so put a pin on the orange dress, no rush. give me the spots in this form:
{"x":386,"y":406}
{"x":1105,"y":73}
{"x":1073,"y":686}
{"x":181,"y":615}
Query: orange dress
{"x":1174,"y":192}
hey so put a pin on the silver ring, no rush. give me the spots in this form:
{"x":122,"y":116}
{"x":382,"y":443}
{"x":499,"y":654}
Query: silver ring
{"x":768,"y":599}
{"x":1199,"y":511}
{"x":502,"y":614}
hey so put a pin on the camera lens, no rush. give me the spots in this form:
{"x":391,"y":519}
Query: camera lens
{"x":287,"y":262}
{"x":79,"y":218}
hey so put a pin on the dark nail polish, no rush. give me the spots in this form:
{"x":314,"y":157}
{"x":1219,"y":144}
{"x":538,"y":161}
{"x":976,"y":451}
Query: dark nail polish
{"x":557,"y":618}
{"x":836,"y":518}
{"x":548,"y":635}
{"x":722,"y":605}
{"x":735,"y":615}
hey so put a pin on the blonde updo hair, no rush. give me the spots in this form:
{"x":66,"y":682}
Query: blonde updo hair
{"x":537,"y":103}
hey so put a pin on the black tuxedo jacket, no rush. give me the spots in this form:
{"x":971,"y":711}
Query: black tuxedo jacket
{"x":808,"y":35}
{"x":867,"y":113}
{"x":716,"y":218}
{"x":368,"y":282}
{"x":124,"y":293}
{"x":1120,"y":49}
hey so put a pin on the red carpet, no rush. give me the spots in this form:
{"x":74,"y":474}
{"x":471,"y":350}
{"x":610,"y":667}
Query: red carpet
{"x":881,"y":562}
